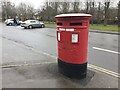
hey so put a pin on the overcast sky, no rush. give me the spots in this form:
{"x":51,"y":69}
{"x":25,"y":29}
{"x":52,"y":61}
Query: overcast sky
{"x":38,"y":3}
{"x":35,"y":3}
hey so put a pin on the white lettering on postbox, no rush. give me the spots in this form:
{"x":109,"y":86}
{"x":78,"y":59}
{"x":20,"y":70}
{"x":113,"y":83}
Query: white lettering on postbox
{"x":69,"y":29}
{"x":62,"y":29}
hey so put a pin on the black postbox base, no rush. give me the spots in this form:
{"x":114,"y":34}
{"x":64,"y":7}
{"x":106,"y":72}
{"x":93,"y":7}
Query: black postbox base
{"x":76,"y":71}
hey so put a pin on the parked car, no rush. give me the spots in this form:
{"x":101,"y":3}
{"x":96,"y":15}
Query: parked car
{"x":10,"y":22}
{"x":29,"y":24}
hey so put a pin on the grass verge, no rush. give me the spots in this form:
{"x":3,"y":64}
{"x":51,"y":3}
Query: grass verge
{"x":113,"y":28}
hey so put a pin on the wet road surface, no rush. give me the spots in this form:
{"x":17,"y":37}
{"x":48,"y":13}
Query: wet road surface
{"x":44,"y":40}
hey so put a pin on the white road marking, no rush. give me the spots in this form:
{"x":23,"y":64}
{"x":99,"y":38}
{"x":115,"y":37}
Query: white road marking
{"x":19,"y":65}
{"x":106,"y":50}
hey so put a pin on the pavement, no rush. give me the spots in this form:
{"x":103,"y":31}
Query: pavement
{"x":43,"y":72}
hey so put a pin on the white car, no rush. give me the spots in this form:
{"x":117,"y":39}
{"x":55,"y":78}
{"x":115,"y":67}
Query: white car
{"x":10,"y":22}
{"x":32,"y":24}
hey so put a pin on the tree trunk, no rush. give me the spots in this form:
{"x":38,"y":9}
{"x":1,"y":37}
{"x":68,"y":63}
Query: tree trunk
{"x":107,"y":4}
{"x":87,"y":7}
{"x":92,"y":11}
{"x":119,"y":14}
{"x":98,"y":13}
{"x":65,"y":7}
{"x":76,"y":7}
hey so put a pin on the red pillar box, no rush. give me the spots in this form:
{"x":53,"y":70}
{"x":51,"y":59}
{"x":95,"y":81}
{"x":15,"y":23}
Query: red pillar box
{"x":72,"y":37}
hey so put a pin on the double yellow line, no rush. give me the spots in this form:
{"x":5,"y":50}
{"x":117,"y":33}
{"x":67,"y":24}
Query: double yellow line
{"x":104,"y":70}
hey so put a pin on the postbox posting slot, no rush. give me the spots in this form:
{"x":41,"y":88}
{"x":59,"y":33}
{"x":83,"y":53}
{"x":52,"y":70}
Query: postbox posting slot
{"x":75,"y":37}
{"x":76,"y":24}
{"x":59,"y":23}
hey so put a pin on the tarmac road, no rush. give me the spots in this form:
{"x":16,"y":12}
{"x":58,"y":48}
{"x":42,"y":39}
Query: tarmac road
{"x":102,"y":51}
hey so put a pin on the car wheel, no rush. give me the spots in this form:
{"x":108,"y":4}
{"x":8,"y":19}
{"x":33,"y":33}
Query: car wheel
{"x":30,"y":27}
{"x":43,"y":26}
{"x":10,"y":24}
{"x":7,"y":24}
{"x":25,"y":27}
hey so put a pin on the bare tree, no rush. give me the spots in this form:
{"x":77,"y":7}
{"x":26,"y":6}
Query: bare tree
{"x":47,"y":11}
{"x":8,"y":10}
{"x":25,"y":11}
{"x":0,"y":11}
{"x":65,"y":7}
{"x":38,"y":14}
{"x":87,"y":6}
{"x":30,"y":12}
{"x":55,"y":6}
{"x":119,"y":14}
{"x":106,"y":10}
{"x":22,"y":11}
{"x":76,"y":6}
{"x":99,"y":13}
{"x":92,"y":10}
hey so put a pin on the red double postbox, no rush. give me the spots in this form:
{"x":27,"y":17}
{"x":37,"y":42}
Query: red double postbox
{"x":72,"y":37}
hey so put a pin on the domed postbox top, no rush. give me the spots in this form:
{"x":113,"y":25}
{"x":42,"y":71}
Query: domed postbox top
{"x":73,"y":15}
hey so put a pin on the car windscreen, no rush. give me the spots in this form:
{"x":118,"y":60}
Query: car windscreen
{"x":32,"y":21}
